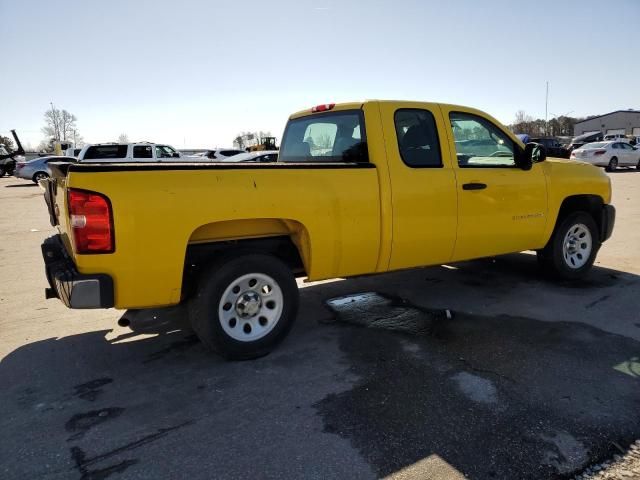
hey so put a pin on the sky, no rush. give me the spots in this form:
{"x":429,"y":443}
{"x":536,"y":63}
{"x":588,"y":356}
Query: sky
{"x":195,"y":73}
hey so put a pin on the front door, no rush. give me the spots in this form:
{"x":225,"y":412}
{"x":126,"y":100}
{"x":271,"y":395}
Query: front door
{"x":501,"y":208}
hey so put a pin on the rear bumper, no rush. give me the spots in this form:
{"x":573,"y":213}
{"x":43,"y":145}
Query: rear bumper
{"x":74,"y":289}
{"x":608,"y":221}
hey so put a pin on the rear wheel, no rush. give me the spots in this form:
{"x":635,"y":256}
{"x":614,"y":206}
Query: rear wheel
{"x":39,"y":176}
{"x":613,"y":164}
{"x":572,"y":248}
{"x":638,"y":165}
{"x":2,"y":171}
{"x":244,"y":306}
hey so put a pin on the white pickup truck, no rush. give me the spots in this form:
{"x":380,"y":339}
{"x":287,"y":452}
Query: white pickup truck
{"x":128,"y":152}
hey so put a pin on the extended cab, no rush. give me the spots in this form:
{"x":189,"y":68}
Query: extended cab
{"x":358,"y":188}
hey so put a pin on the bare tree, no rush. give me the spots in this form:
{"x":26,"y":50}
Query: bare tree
{"x":123,"y":138}
{"x":60,"y":125}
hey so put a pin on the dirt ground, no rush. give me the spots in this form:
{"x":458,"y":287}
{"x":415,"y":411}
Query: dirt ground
{"x":529,"y":379}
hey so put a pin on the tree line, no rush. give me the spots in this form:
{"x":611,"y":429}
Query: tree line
{"x":561,"y":126}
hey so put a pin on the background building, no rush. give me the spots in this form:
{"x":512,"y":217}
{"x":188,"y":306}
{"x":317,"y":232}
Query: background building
{"x":626,"y":122}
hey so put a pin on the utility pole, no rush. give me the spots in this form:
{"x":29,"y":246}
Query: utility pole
{"x":546,"y":110}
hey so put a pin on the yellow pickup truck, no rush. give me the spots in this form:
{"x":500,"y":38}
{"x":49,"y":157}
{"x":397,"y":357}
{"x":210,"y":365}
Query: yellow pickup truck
{"x":358,"y":188}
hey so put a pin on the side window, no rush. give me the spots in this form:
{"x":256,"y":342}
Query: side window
{"x":162,"y":151}
{"x":142,"y":151}
{"x":230,"y":153}
{"x":479,"y":143}
{"x":98,"y":152}
{"x":417,"y":138}
{"x":616,"y":146}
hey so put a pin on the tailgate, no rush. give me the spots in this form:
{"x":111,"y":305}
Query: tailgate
{"x":55,"y":196}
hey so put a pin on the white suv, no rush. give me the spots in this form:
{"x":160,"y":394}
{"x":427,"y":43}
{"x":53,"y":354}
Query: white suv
{"x":131,"y":152}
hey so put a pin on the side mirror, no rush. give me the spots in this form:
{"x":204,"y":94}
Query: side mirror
{"x":533,"y":153}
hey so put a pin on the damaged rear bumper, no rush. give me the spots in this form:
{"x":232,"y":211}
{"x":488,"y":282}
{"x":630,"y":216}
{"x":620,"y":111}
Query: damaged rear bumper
{"x":74,"y":289}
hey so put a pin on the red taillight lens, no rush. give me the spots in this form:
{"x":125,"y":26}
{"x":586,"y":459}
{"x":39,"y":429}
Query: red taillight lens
{"x":323,"y":108}
{"x":91,"y":221}
{"x":599,"y":152}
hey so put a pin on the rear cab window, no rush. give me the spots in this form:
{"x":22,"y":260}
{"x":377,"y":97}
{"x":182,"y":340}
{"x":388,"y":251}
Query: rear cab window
{"x":106,"y":152}
{"x":327,"y":137}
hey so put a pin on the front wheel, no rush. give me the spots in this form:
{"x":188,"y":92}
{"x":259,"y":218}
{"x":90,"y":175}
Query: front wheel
{"x":244,"y":306}
{"x":2,"y":171}
{"x":638,"y":165}
{"x":572,"y":248}
{"x":613,"y":164}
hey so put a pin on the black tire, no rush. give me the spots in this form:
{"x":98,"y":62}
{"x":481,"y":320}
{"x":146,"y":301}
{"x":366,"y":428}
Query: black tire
{"x":39,"y":176}
{"x":613,"y":164}
{"x":204,"y":305}
{"x":552,"y":258}
{"x":2,"y":171}
{"x":638,"y":165}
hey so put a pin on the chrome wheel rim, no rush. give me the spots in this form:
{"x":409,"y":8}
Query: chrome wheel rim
{"x":40,"y":176}
{"x":577,"y":245}
{"x":250,"y":307}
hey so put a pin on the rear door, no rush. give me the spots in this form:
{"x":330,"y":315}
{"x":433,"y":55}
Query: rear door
{"x":423,"y":186}
{"x":501,"y":208}
{"x":142,"y":153}
{"x":629,"y":154}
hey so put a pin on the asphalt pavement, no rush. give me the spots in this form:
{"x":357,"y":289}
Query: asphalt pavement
{"x":484,"y":370}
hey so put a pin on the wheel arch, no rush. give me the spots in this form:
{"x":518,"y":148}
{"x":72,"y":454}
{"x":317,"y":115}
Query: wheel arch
{"x":33,"y":177}
{"x":589,"y":203}
{"x":286,"y":239}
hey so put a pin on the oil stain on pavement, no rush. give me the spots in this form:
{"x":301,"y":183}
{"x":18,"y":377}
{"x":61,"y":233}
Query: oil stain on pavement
{"x":495,"y":397}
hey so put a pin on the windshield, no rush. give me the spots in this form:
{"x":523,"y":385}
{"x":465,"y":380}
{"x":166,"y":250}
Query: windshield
{"x":329,"y":137}
{"x":595,"y":145}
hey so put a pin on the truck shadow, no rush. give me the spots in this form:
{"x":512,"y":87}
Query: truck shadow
{"x":529,"y":378}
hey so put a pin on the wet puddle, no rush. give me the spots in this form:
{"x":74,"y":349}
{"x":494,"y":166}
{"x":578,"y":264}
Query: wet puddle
{"x":379,"y":311}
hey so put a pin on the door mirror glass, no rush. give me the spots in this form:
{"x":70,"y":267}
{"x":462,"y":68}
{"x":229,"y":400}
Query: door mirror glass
{"x":533,"y":153}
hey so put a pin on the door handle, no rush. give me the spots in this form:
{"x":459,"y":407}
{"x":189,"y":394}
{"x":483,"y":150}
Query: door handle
{"x":474,"y":186}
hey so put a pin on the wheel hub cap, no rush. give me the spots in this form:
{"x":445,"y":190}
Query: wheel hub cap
{"x":250,"y":307}
{"x":577,"y":246}
{"x":248,"y":304}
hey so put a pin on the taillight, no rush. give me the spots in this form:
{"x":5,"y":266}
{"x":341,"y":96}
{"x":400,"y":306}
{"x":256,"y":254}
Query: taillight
{"x":599,"y":152}
{"x":91,"y":221}
{"x":20,"y":164}
{"x":323,"y":108}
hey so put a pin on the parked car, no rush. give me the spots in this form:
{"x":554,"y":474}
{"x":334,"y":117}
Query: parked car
{"x":8,"y":159}
{"x":218,"y":154}
{"x":347,"y":197}
{"x":257,"y":156}
{"x":128,"y":152}
{"x":610,"y":155}
{"x":616,"y":137}
{"x":552,"y":146}
{"x":583,"y":139}
{"x":38,"y":168}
